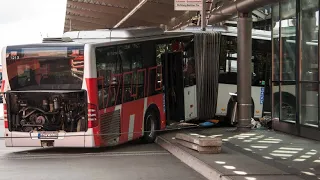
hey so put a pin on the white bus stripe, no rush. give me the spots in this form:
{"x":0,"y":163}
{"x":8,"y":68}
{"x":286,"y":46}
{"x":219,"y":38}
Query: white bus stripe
{"x":118,"y":107}
{"x":131,"y":127}
{"x":144,"y":112}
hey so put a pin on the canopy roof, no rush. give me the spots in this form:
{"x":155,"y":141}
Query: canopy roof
{"x":104,"y":14}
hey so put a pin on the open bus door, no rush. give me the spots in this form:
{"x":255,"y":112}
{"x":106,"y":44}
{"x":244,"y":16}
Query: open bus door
{"x":173,"y":83}
{"x":174,"y":89}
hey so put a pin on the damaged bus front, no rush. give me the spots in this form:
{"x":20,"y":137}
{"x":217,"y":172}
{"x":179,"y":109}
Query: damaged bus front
{"x":44,"y":98}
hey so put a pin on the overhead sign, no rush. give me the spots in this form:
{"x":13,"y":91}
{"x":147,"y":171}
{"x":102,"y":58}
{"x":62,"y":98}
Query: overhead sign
{"x":187,"y":5}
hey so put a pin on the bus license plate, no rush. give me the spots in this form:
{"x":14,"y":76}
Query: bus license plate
{"x":48,"y":135}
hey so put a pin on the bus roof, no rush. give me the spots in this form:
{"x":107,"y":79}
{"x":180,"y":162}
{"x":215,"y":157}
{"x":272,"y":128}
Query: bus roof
{"x":107,"y":37}
{"x":123,"y":33}
{"x":114,"y":35}
{"x":228,"y":31}
{"x":136,"y":34}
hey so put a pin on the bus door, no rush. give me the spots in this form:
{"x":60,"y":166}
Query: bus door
{"x":173,"y":85}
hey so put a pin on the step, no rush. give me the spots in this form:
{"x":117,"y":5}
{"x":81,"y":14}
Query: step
{"x":204,"y":141}
{"x":200,"y":149}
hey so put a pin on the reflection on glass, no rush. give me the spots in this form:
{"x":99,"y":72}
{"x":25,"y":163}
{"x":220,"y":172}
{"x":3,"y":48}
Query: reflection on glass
{"x":309,"y":104}
{"x":276,"y":101}
{"x":288,"y":36}
{"x":309,"y":62}
{"x":288,"y":102}
{"x":276,"y":43}
{"x":309,"y":43}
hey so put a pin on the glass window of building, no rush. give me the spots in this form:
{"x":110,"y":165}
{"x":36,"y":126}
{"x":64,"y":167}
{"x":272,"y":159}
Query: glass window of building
{"x":288,"y":38}
{"x":276,"y":60}
{"x":288,"y":59}
{"x":309,"y":76}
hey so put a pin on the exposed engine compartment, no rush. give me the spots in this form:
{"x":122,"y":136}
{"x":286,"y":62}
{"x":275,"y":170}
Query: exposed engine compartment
{"x":47,"y":111}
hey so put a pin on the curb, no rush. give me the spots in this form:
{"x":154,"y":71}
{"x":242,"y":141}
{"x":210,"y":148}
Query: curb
{"x":193,"y":162}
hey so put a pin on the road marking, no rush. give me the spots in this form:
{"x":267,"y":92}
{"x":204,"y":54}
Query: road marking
{"x":104,"y":154}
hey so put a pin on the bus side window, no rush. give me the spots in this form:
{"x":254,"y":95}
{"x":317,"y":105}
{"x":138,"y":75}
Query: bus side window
{"x":108,"y":65}
{"x":189,"y":72}
{"x":131,"y":59}
{"x":150,"y":62}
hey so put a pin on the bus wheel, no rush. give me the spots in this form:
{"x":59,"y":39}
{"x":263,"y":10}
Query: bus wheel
{"x":150,"y":127}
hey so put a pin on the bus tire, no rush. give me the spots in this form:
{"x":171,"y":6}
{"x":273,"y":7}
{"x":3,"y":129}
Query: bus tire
{"x":150,"y":126}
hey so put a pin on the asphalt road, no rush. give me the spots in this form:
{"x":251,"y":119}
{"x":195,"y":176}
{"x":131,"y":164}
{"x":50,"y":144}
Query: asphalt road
{"x":127,"y":162}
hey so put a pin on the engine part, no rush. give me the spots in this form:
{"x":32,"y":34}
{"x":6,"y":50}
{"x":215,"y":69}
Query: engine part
{"x":46,"y":111}
{"x":23,"y":122}
{"x":45,"y":105}
{"x":56,"y":104}
{"x":27,"y":129}
{"x":51,"y":107}
{"x":40,"y":120}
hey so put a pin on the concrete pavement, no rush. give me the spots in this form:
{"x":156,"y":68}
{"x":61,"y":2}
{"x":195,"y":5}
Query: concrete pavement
{"x":134,"y":161}
{"x":256,"y":155}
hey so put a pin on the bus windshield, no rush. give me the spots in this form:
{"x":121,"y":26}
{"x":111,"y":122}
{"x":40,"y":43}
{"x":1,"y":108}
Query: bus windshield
{"x":45,"y":68}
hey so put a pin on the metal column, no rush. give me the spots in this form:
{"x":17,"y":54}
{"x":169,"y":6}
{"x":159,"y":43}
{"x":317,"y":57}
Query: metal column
{"x":244,"y":70}
{"x":203,"y":16}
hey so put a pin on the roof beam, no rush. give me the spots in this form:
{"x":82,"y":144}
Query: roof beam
{"x":99,"y":16}
{"x":134,"y":10}
{"x":85,"y":24}
{"x":114,"y":18}
{"x":121,"y":3}
{"x":91,"y":13}
{"x":260,"y":14}
{"x":227,"y":11}
{"x":183,"y":19}
{"x":99,"y":8}
{"x":87,"y":19}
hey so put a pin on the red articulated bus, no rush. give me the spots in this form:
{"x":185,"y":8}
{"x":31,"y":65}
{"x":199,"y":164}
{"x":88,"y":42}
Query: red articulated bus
{"x":97,"y":88}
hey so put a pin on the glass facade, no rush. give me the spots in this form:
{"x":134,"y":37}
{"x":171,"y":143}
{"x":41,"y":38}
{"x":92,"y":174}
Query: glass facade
{"x":295,"y":63}
{"x":309,"y":58}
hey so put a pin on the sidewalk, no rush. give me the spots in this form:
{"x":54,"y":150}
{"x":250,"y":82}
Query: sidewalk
{"x":256,"y":155}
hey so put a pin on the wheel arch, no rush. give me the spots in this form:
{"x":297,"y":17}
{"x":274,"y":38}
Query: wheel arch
{"x":153,"y":107}
{"x":229,"y":107}
{"x":286,"y":97}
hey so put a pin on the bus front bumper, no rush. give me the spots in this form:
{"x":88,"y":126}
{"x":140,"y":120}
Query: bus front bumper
{"x":50,"y":139}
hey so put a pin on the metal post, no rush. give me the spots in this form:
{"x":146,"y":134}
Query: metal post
{"x":203,"y":16}
{"x":244,"y":70}
{"x":70,"y":25}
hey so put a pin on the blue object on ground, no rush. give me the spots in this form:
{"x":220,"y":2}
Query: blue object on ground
{"x":206,"y":124}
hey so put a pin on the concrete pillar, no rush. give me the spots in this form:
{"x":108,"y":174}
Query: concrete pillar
{"x":244,"y":49}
